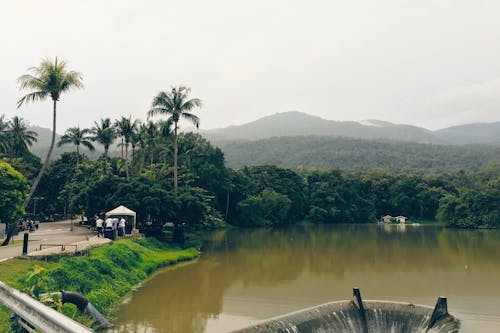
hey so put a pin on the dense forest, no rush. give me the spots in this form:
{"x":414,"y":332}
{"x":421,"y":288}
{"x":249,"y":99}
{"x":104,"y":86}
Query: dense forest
{"x":211,"y":195}
{"x":358,"y":154}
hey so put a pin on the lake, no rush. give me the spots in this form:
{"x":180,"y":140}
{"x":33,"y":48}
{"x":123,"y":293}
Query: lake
{"x":247,"y":275}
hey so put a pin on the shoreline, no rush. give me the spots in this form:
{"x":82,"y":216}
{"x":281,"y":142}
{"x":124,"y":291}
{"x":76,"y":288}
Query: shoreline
{"x":107,"y":276}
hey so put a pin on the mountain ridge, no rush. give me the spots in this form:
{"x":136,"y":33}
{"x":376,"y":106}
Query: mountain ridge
{"x":295,"y":123}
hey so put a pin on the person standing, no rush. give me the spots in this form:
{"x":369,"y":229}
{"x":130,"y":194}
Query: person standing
{"x":121,"y":227}
{"x":108,"y":228}
{"x":98,"y":226}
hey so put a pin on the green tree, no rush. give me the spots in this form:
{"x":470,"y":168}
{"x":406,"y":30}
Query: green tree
{"x":13,"y":188}
{"x":176,"y":105}
{"x":104,"y":133}
{"x":20,"y":136}
{"x":268,"y":208}
{"x":49,"y":79}
{"x":77,"y":137}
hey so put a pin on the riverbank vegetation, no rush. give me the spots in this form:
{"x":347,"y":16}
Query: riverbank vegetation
{"x":104,"y":276}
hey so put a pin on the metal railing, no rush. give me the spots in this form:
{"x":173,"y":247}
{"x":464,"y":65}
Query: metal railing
{"x":38,"y":315}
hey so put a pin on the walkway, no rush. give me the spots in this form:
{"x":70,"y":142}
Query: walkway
{"x":48,"y":233}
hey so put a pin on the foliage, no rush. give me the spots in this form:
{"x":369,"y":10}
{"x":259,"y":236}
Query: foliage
{"x":475,"y":206}
{"x":13,"y":188}
{"x":268,"y":208}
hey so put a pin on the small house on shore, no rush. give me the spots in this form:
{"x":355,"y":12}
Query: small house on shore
{"x":401,"y":219}
{"x":387,"y":218}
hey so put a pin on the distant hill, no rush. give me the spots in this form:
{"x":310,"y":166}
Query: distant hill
{"x":295,"y":123}
{"x":471,"y":133}
{"x":358,"y":154}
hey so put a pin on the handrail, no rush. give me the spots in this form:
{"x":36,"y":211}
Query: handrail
{"x":37,"y":314}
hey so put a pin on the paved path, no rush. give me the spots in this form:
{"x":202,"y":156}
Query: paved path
{"x":48,"y":233}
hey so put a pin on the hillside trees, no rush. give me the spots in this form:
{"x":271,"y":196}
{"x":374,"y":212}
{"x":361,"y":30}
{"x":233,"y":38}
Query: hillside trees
{"x":13,"y":189}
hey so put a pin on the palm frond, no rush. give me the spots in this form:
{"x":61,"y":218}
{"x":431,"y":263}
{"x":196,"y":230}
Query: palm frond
{"x":32,"y":97}
{"x":192,"y":118}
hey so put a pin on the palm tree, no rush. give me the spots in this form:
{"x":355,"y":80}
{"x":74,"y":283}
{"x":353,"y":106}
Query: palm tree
{"x":50,"y":79}
{"x":4,"y":135}
{"x":20,"y":137}
{"x":176,"y":105}
{"x":125,"y":129}
{"x":78,"y":137}
{"x":104,"y":133}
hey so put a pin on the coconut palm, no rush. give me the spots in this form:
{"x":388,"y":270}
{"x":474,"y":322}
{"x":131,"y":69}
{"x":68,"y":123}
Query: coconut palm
{"x":4,"y":134}
{"x":49,"y":79}
{"x":176,"y":105}
{"x":104,"y":133}
{"x":77,"y":137}
{"x":20,"y":136}
{"x":125,"y":129}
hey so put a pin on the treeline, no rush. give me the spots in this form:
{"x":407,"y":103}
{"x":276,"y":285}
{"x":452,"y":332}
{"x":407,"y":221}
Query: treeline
{"x":210,"y":194}
{"x":358,"y":154}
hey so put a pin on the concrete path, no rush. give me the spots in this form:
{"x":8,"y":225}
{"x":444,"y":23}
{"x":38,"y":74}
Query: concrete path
{"x":48,"y":233}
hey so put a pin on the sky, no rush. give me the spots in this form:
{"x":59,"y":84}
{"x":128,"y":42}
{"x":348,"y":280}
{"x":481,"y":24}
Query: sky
{"x":430,"y":63}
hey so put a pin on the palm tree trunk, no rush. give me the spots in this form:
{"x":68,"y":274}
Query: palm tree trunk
{"x":106,"y":148}
{"x":77,"y":155}
{"x":126,"y":160}
{"x":175,"y":158}
{"x":40,"y":173}
{"x":47,"y":159}
{"x":122,"y":147}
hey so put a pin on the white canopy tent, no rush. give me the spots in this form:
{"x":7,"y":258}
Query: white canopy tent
{"x":123,"y":211}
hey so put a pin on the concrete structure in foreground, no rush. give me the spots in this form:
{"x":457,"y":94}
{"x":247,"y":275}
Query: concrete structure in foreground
{"x":38,"y":315}
{"x":359,"y":316}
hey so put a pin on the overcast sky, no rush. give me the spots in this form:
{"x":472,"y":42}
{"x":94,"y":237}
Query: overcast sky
{"x":432,"y":63}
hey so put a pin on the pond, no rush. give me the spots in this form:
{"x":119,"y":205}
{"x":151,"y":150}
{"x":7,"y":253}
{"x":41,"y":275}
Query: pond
{"x":247,"y":275}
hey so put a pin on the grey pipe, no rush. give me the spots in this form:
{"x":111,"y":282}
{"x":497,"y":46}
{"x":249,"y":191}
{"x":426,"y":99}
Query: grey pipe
{"x":83,"y":304}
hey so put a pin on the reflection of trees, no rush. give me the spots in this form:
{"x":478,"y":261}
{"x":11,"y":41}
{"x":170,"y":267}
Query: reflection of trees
{"x":181,"y":300}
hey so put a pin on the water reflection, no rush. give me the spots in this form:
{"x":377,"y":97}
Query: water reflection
{"x":254,"y":274}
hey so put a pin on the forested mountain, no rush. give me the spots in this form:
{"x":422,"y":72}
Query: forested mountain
{"x":295,"y":123}
{"x":358,"y":154}
{"x":471,"y":133}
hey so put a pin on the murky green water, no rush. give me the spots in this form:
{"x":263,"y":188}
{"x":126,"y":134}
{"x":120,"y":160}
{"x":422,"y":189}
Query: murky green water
{"x":245,"y":276}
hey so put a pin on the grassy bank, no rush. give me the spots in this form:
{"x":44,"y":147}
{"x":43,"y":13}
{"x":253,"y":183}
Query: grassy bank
{"x":106,"y":275}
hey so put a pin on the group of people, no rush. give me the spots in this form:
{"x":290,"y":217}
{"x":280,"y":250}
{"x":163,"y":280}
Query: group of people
{"x":111,"y":227}
{"x":29,"y":225}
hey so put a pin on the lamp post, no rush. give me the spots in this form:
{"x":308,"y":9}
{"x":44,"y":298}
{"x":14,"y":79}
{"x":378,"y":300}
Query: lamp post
{"x":35,"y":199}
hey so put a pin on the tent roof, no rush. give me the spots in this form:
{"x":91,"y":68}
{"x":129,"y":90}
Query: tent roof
{"x":121,"y":210}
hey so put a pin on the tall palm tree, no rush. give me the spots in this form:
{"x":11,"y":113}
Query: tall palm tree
{"x":20,"y":136}
{"x":125,"y":129}
{"x":4,"y":135}
{"x":176,"y":105}
{"x":104,"y":133}
{"x":77,"y":137}
{"x":49,"y":79}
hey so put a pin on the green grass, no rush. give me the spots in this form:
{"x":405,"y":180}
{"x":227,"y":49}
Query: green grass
{"x":106,"y":275}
